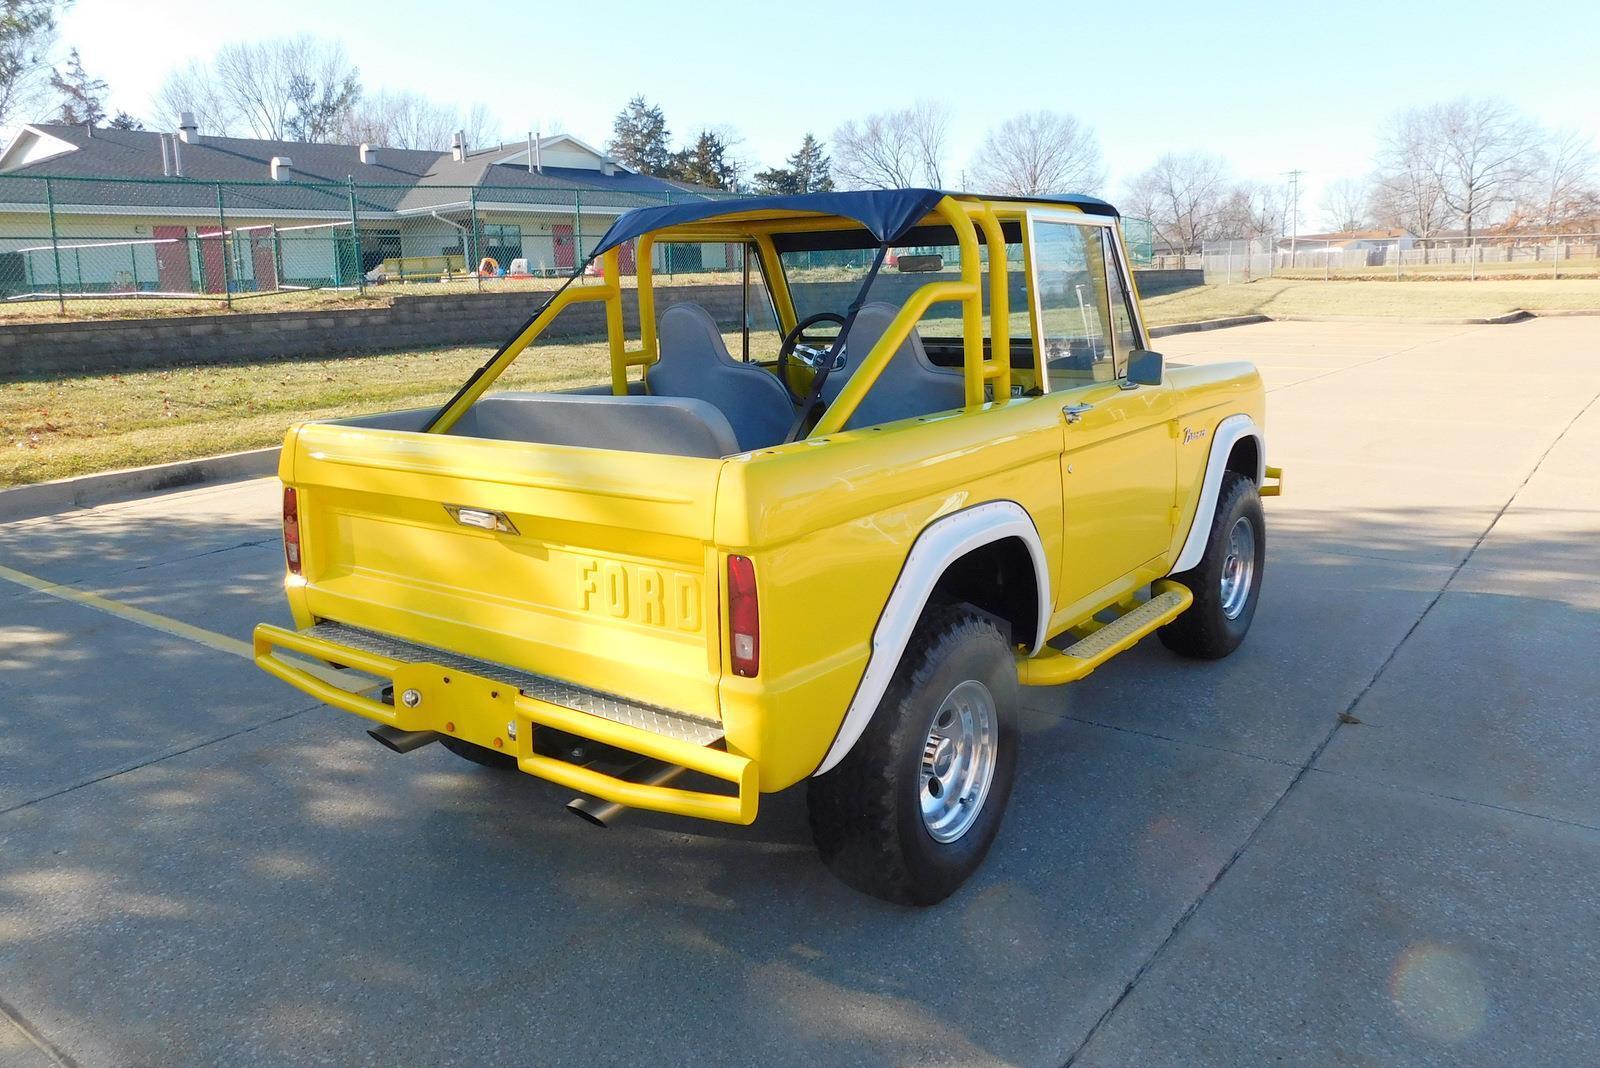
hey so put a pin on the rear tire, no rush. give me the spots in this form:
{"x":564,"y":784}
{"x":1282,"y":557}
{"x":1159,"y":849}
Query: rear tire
{"x":478,"y":754}
{"x":1226,"y":583}
{"x":911,"y":811}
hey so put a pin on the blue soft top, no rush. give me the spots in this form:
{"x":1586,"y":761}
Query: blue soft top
{"x":888,"y":214}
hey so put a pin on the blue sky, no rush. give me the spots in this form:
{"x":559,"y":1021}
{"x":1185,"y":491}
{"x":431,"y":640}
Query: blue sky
{"x":1269,"y":86}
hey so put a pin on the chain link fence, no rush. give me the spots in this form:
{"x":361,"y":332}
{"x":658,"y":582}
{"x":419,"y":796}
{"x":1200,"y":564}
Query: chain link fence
{"x":1495,"y":256}
{"x":136,"y":247}
{"x":122,"y":246}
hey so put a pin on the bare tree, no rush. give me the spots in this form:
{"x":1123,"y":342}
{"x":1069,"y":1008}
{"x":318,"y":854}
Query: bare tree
{"x":400,"y":120}
{"x":1565,"y":185}
{"x":1183,"y":198}
{"x":1255,"y":211}
{"x":1482,"y":152}
{"x":1344,"y":204}
{"x":892,"y":149}
{"x":1407,"y":192}
{"x":407,"y":120}
{"x":1039,"y":152}
{"x":479,"y":127}
{"x":195,"y":89}
{"x":268,"y":85}
{"x":27,"y":29}
{"x":929,"y":123}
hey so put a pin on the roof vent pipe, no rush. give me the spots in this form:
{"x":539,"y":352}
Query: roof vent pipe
{"x":458,"y":146}
{"x":166,"y":156}
{"x":369,"y":153}
{"x":282,"y":168}
{"x":177,"y":157}
{"x":188,"y":129}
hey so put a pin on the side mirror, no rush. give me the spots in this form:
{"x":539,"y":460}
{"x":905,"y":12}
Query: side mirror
{"x":1145,"y":367}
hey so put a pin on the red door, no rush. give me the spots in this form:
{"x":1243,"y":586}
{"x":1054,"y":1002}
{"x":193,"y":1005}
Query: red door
{"x":625,"y":260}
{"x":561,"y":238}
{"x":172,"y":259}
{"x":211,"y":260}
{"x":261,"y":259}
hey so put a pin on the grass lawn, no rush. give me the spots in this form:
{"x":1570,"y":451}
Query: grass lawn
{"x":1408,"y":299}
{"x":53,"y":428}
{"x":73,"y":426}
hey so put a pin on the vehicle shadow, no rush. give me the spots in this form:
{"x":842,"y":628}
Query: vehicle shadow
{"x":297,"y":891}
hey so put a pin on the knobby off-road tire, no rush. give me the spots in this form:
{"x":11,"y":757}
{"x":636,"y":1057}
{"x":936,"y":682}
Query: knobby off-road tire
{"x":478,"y":754}
{"x":867,"y":814}
{"x":1226,"y":583}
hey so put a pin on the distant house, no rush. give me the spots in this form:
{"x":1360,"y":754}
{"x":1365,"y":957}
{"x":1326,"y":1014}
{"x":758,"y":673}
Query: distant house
{"x":1349,"y":241}
{"x":291,"y":203}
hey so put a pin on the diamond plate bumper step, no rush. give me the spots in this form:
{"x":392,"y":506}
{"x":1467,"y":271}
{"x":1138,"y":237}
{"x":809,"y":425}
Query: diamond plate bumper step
{"x":662,"y":721}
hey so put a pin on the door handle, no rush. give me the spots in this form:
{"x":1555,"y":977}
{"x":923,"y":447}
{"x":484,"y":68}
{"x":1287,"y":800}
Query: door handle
{"x":1074,"y":412}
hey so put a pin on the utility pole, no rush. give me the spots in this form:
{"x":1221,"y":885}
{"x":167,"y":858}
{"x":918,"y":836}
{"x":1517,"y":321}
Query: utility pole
{"x":1294,"y":213}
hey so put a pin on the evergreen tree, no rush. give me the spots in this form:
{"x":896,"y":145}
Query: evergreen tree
{"x":639,"y":138}
{"x":82,"y":97}
{"x":321,"y":104}
{"x":807,"y":172}
{"x":704,"y":163}
{"x":811,"y":167}
{"x":124,"y":121}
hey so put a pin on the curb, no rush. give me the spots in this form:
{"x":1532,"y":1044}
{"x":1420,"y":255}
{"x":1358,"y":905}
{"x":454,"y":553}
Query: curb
{"x":86,"y":491}
{"x":1409,"y":320}
{"x":1208,"y":324}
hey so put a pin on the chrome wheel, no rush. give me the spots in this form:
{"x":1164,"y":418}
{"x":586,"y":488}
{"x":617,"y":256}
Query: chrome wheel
{"x":958,"y":760}
{"x":1238,"y":567}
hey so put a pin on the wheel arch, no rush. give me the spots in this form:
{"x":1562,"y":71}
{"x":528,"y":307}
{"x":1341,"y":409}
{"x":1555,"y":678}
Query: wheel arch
{"x":1237,"y":444}
{"x":948,"y":553}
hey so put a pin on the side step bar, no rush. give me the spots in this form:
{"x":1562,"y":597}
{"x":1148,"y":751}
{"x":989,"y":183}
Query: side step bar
{"x":1052,"y":667}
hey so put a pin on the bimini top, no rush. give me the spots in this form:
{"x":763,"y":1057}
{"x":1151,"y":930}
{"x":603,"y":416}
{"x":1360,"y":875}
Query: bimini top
{"x":888,"y":214}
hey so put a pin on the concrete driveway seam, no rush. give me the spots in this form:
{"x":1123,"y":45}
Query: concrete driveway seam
{"x":158,"y":758}
{"x":1327,"y":739}
{"x":20,"y":1023}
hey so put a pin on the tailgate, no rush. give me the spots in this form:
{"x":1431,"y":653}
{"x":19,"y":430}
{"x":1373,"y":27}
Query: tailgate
{"x":607,"y":577}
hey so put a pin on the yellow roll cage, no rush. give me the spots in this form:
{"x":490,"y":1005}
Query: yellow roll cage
{"x":964,"y":215}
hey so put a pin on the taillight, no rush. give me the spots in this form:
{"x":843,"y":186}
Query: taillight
{"x":744,"y":617}
{"x":291,"y":529}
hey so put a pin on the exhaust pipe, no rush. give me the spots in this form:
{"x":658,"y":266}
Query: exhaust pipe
{"x":399,"y":741}
{"x":605,"y":813}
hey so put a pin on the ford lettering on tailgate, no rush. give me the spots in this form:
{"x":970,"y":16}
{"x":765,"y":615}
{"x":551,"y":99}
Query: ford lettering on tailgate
{"x":642,"y":594}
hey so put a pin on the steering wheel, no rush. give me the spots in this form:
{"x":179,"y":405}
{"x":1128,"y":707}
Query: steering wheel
{"x":804,"y":350}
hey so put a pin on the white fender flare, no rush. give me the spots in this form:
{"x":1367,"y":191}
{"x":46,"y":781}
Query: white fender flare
{"x":1227,"y":434}
{"x":940,"y":544}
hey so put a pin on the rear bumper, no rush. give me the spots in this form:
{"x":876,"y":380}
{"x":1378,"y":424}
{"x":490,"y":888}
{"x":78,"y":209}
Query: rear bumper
{"x":499,"y":716}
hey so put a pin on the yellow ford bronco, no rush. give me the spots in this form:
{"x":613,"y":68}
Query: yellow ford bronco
{"x":944,"y":465}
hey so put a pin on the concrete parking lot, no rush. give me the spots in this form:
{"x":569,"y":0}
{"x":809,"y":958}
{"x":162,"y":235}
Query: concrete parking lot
{"x":1373,"y":835}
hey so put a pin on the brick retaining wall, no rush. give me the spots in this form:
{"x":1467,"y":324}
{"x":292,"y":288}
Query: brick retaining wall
{"x":409,"y":323}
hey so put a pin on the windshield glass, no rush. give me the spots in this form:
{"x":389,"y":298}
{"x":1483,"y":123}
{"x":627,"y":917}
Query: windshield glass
{"x":827,"y":279}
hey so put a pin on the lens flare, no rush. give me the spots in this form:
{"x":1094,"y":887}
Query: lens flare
{"x":1438,"y":992}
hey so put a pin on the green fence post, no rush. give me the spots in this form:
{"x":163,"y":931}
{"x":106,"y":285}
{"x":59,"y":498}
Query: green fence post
{"x":222,"y":237}
{"x":473,"y":250}
{"x":355,"y":238}
{"x":577,"y":228}
{"x":55,"y":244}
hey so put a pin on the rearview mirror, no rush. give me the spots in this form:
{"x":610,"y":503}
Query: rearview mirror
{"x":920,"y":264}
{"x":1145,"y":367}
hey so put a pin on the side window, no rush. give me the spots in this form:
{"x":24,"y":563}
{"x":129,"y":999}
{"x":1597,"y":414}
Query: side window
{"x":1069,"y":264}
{"x":1124,"y":337}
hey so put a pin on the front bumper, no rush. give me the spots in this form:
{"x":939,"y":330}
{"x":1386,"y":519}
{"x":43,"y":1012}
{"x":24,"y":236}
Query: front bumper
{"x":487,"y":705}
